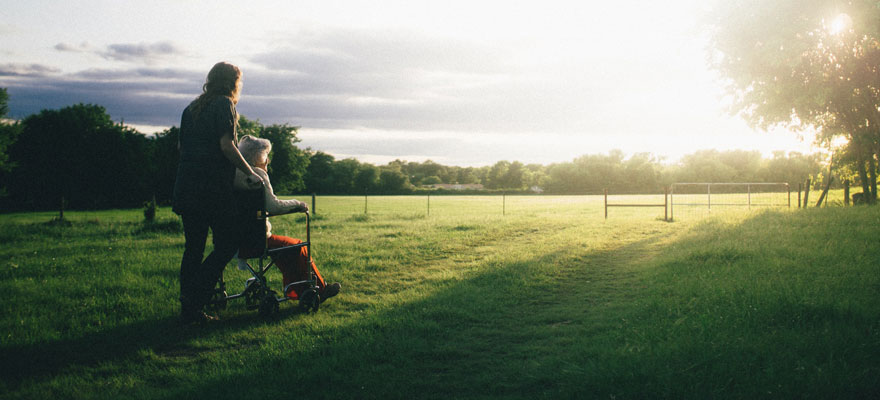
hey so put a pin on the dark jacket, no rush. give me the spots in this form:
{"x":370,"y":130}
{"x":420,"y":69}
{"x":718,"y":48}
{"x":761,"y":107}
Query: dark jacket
{"x":204,"y":174}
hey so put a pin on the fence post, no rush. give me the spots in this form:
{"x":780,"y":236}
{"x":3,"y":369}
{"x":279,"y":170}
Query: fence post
{"x":789,"y":194}
{"x":825,"y":191}
{"x":800,"y":186}
{"x":429,"y":204}
{"x":806,"y":193}
{"x":606,"y":203}
{"x":666,"y":203}
{"x":314,"y":209}
{"x":709,"y":194}
{"x":749,"y":189}
{"x":365,"y":201}
{"x":846,"y":192}
{"x":503,"y":203}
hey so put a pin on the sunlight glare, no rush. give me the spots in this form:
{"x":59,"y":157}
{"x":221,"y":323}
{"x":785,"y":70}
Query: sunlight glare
{"x":840,"y":24}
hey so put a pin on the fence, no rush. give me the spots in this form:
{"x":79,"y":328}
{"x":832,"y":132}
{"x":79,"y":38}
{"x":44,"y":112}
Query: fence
{"x":678,"y":200}
{"x":702,"y":197}
{"x":665,"y":204}
{"x":446,"y":205}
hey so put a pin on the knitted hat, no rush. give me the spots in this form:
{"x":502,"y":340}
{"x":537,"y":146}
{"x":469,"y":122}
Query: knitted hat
{"x":254,"y":149}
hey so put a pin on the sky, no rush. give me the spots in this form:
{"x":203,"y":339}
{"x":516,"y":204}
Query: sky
{"x":465,"y":83}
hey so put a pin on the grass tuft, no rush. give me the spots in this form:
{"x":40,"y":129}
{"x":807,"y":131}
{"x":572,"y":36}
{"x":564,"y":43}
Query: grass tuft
{"x":163,"y":225}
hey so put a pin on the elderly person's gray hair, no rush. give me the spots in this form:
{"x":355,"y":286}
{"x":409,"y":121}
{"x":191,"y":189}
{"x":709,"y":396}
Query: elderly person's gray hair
{"x":254,"y":149}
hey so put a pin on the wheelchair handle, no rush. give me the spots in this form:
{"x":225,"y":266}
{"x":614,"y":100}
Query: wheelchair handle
{"x":309,"y":232}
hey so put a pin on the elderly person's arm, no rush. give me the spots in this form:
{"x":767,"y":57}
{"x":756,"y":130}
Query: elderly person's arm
{"x":274,"y":205}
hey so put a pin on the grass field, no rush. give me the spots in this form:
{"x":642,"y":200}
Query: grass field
{"x":539,"y":297}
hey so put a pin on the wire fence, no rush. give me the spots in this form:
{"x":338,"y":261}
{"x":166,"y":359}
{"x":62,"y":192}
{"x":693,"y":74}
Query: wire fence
{"x":454,"y":205}
{"x":682,"y":200}
{"x":687,"y":199}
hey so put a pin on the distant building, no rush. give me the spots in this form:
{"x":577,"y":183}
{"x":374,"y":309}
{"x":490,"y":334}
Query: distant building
{"x":457,"y":186}
{"x":536,"y":189}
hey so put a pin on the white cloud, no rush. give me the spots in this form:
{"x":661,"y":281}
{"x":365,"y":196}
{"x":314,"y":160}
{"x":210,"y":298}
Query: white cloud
{"x":74,"y":48}
{"x":142,"y":52}
{"x":27,"y":70}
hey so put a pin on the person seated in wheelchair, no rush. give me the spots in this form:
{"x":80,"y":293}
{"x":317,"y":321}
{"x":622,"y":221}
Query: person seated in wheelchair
{"x":294,"y":266}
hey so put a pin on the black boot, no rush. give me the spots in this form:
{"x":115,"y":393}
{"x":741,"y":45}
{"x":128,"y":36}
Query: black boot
{"x":192,"y":313}
{"x":330,"y":291}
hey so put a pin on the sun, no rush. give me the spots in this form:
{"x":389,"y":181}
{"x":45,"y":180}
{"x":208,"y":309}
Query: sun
{"x":840,"y":24}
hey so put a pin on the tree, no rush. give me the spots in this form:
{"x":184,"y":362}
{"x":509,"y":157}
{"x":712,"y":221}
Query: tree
{"x":514,"y":178}
{"x":248,"y":127}
{"x":8,"y":134}
{"x":793,"y":168}
{"x":599,"y":171}
{"x":431,"y":180}
{"x":4,"y":102}
{"x":79,"y":155}
{"x":705,"y":166}
{"x":319,"y":173}
{"x":641,"y":171}
{"x":344,"y":172}
{"x":392,"y":179}
{"x":495,"y":178}
{"x":166,"y":158}
{"x":805,"y":64}
{"x":535,"y":175}
{"x":367,"y":178}
{"x":466,"y":175}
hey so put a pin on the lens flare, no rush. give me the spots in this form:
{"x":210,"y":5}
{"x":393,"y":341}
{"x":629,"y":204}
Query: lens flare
{"x":840,"y":24}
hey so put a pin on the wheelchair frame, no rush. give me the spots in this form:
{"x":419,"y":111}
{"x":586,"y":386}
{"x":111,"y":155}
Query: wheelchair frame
{"x":257,"y":293}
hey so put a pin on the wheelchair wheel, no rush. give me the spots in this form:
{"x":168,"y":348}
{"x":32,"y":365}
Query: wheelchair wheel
{"x":268,"y":305}
{"x":253,"y":293}
{"x":310,"y":300}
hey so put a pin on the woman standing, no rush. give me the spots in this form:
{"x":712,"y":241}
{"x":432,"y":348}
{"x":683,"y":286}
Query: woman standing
{"x":203,"y":188}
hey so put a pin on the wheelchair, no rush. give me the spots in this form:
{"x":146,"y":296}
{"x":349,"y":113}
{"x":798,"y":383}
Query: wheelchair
{"x":251,"y":215}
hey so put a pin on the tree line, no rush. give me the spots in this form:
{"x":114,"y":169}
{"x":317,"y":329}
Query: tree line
{"x":78,"y":157}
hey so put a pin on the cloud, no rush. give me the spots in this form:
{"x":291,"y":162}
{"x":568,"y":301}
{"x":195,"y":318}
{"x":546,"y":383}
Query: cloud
{"x":376,"y":63}
{"x":72,"y":48}
{"x":376,"y":79}
{"x":148,"y":53}
{"x":410,"y":81}
{"x":27,"y":70}
{"x":139,"y":95}
{"x":145,"y":52}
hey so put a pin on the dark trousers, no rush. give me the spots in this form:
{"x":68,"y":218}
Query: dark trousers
{"x":197,"y":276}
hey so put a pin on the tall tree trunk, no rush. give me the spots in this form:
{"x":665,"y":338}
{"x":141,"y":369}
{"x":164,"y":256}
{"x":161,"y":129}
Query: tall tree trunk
{"x":872,"y":171}
{"x":875,"y":152}
{"x":863,"y":175}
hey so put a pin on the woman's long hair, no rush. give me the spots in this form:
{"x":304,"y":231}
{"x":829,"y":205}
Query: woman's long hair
{"x":223,"y":80}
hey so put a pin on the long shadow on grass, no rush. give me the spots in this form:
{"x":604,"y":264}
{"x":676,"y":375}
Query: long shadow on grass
{"x":167,"y":336}
{"x":493,"y":334}
{"x":592,"y":336}
{"x":505,"y":332}
{"x":434,"y":339}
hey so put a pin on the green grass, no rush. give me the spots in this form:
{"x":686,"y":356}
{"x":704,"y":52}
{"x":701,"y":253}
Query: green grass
{"x":549,"y":300}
